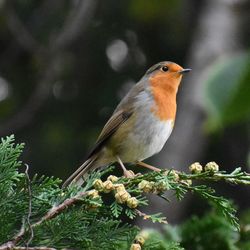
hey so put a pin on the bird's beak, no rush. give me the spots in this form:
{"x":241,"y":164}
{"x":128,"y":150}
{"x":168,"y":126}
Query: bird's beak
{"x":183,"y":71}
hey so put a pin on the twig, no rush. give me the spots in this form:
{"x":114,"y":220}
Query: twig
{"x":141,"y":214}
{"x":30,"y":206}
{"x":29,"y":248}
{"x":167,"y":180}
{"x":147,"y":216}
{"x":236,"y":177}
{"x":10,"y":244}
{"x":53,"y":212}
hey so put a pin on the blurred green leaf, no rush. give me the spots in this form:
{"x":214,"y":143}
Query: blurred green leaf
{"x":227,"y":91}
{"x":149,"y":11}
{"x":210,"y":232}
{"x":157,"y":241}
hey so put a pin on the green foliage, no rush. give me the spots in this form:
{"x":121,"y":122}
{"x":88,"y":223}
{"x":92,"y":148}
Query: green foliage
{"x":222,"y":205}
{"x":181,"y":188}
{"x":244,"y":242}
{"x":77,"y":227}
{"x":9,"y":177}
{"x":116,"y":209}
{"x":131,"y":213}
{"x":210,"y":232}
{"x":9,"y":163}
{"x":38,"y":212}
{"x":227,"y":91}
{"x":157,"y":241}
{"x":84,"y":230}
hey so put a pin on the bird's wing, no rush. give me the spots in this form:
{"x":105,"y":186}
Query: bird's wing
{"x":121,"y":114}
{"x":116,"y":120}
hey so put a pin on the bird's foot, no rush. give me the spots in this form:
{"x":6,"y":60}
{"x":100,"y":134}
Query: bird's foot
{"x":129,"y":174}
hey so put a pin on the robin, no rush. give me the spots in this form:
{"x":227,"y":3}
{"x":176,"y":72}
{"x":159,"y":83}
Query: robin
{"x":140,"y":125}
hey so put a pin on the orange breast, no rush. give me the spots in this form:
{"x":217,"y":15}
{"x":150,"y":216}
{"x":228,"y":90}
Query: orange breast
{"x":165,"y":98}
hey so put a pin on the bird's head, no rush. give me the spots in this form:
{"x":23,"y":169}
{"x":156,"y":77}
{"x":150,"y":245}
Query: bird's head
{"x":166,"y":73}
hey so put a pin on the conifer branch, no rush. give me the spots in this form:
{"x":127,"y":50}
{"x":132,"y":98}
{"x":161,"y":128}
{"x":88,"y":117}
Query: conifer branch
{"x":76,"y":217}
{"x":211,"y":173}
{"x":54,"y":211}
{"x":33,"y":248}
{"x":11,"y":244}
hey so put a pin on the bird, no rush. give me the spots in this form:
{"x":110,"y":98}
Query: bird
{"x":139,"y":126}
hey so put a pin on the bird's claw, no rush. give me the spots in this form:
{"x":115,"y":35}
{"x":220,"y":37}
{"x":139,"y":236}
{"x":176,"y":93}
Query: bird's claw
{"x":129,"y":174}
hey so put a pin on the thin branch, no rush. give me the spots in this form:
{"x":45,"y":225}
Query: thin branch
{"x":147,"y":216}
{"x":53,"y":212}
{"x":26,"y":248}
{"x":34,"y":248}
{"x":236,"y":177}
{"x":153,"y":182}
{"x":30,"y":206}
{"x":141,"y":214}
{"x":10,"y":244}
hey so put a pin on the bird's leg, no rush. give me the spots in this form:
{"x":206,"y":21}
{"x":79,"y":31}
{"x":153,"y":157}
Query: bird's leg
{"x":145,"y":165}
{"x":126,"y":173}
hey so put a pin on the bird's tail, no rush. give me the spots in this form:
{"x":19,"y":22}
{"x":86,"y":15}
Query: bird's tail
{"x":77,"y":177}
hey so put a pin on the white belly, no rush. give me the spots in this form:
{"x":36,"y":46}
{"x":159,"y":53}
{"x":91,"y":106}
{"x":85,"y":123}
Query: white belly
{"x":147,"y":139}
{"x":148,"y":135}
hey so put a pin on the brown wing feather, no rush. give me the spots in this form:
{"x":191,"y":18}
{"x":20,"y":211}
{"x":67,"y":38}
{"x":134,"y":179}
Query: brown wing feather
{"x":119,"y":116}
{"x":116,"y":120}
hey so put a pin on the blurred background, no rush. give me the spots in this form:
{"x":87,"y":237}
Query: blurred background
{"x":65,"y":65}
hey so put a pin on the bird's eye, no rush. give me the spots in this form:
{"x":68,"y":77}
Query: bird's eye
{"x":164,"y":68}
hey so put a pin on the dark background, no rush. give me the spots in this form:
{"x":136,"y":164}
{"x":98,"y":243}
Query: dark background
{"x":64,"y":66}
